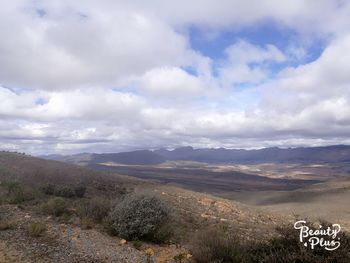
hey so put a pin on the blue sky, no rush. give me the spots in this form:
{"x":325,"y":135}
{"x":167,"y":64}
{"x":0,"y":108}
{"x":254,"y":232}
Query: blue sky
{"x":135,"y":75}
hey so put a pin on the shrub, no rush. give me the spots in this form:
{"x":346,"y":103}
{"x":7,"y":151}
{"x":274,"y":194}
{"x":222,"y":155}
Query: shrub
{"x":65,"y":217}
{"x":217,"y":245}
{"x":21,"y":195}
{"x":55,"y":206}
{"x":87,"y":223}
{"x":286,"y":247}
{"x":179,"y":258}
{"x":64,"y":191}
{"x":96,"y":208}
{"x":80,"y":191}
{"x":36,"y":229}
{"x":16,"y":193}
{"x":141,"y":216}
{"x":224,"y":245}
{"x":48,"y":189}
{"x":11,"y":186}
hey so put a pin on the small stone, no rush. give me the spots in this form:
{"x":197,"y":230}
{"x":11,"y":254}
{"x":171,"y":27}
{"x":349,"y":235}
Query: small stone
{"x":122,"y":242}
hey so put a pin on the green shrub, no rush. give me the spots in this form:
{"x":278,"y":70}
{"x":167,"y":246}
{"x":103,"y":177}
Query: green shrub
{"x":141,"y":216}
{"x":48,"y":189}
{"x":96,"y":208}
{"x":17,"y":193}
{"x":36,"y":229}
{"x":64,"y":191}
{"x":21,"y":195}
{"x":286,"y":247}
{"x":11,"y":186}
{"x":224,"y":245}
{"x":217,"y":245}
{"x":55,"y":206}
{"x":80,"y":191}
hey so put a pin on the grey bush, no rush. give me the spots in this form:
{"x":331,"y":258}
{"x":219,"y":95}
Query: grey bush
{"x":142,"y":216}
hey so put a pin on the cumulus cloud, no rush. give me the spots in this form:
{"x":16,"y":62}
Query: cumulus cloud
{"x":65,"y":48}
{"x":110,"y":76}
{"x":246,"y":63}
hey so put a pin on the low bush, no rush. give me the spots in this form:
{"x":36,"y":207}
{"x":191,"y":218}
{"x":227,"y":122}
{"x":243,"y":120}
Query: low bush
{"x":219,"y":244}
{"x":286,"y":247}
{"x":17,"y":193}
{"x":55,"y":206}
{"x":48,"y":189}
{"x":142,"y":216}
{"x":224,"y":245}
{"x":36,"y":229}
{"x":64,"y":191}
{"x":80,"y":191}
{"x":96,"y":208}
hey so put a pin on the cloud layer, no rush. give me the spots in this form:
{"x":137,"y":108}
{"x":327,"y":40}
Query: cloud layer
{"x":113,"y":75}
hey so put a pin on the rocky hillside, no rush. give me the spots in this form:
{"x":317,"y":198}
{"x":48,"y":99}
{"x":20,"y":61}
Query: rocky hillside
{"x":28,"y":233}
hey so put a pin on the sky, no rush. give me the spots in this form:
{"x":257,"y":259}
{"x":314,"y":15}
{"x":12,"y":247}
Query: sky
{"x":110,"y":76}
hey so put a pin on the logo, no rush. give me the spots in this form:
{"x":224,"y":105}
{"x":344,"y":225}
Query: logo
{"x":322,"y":237}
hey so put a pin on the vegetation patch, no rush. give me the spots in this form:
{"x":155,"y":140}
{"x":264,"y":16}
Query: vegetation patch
{"x":96,"y":208}
{"x":36,"y":229}
{"x":64,"y":191}
{"x":219,"y":244}
{"x":16,"y":193}
{"x":142,"y":216}
{"x":55,"y":206}
{"x":222,"y":244}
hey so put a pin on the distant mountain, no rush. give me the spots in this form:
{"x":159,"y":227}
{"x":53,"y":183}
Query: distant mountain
{"x":333,"y":154}
{"x":337,"y":153}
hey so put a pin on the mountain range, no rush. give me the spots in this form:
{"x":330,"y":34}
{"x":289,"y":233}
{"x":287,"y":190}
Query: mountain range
{"x":325,"y":154}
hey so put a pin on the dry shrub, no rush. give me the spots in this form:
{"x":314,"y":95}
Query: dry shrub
{"x":55,"y":206}
{"x":218,"y":244}
{"x":36,"y":229}
{"x":96,"y":208}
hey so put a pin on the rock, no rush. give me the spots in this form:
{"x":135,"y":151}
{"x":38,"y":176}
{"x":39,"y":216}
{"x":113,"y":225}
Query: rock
{"x":122,"y":242}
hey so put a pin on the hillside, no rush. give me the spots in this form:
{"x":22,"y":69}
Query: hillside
{"x":327,"y":200}
{"x":69,"y":240}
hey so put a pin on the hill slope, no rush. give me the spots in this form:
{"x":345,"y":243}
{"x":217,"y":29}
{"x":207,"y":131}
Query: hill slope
{"x":67,"y":240}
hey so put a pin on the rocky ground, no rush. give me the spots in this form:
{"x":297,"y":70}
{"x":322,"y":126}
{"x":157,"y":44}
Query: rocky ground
{"x":69,"y":243}
{"x":205,"y":210}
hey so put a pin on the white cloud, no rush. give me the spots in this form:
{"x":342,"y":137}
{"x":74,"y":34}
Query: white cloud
{"x":64,"y":50}
{"x":237,"y":68}
{"x":173,"y":81}
{"x":112,"y":75}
